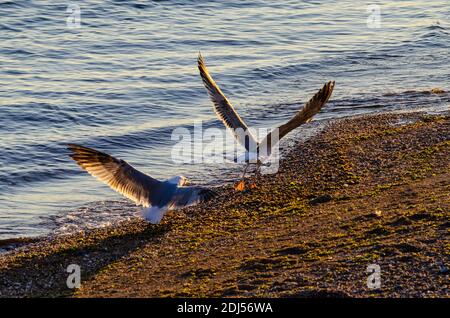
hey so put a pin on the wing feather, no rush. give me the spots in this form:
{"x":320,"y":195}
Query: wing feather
{"x":187,"y":196}
{"x":312,"y":107}
{"x":118,"y":174}
{"x":224,"y":109}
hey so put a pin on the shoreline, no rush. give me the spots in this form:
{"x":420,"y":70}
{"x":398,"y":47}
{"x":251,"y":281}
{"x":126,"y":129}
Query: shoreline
{"x":371,"y":189}
{"x":232,"y":173}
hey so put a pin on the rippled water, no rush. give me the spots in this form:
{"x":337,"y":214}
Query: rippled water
{"x":127,"y":77}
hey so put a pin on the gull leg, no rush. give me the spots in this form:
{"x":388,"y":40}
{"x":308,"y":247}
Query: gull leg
{"x":240,"y":186}
{"x":258,"y":168}
{"x":256,"y":176}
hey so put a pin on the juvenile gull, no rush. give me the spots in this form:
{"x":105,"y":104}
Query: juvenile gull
{"x":156,"y":197}
{"x":231,"y":119}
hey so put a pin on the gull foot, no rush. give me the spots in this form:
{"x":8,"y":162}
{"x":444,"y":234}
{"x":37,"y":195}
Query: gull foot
{"x":240,"y":186}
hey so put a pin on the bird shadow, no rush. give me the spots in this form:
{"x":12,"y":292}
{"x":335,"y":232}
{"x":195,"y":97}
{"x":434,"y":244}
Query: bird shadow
{"x":47,"y":275}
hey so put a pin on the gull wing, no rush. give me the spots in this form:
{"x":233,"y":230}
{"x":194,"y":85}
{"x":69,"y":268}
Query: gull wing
{"x":312,"y":107}
{"x":186,"y":196}
{"x":118,"y":174}
{"x":224,"y":109}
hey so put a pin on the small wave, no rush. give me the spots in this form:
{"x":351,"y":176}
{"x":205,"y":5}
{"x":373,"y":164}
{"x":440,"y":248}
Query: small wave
{"x":16,"y":52}
{"x":91,"y":215}
{"x":436,"y":26}
{"x":21,"y":178}
{"x":6,"y":27}
{"x":414,"y":93}
{"x":13,"y":4}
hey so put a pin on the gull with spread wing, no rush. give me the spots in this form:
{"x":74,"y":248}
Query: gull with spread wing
{"x":231,"y":119}
{"x":156,"y":197}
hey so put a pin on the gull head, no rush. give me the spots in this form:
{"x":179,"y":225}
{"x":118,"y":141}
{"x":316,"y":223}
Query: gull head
{"x":179,"y":181}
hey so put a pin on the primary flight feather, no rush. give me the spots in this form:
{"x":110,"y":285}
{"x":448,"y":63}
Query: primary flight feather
{"x":157,"y":197}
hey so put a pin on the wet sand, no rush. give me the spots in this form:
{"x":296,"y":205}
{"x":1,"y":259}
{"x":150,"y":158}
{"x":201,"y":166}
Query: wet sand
{"x":366,"y":190}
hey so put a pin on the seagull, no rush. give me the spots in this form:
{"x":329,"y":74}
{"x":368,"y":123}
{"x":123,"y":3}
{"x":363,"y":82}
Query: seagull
{"x":231,"y":119}
{"x":156,"y":197}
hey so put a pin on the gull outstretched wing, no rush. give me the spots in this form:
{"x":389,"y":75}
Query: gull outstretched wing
{"x":224,"y":109}
{"x":119,"y":175}
{"x":304,"y":115}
